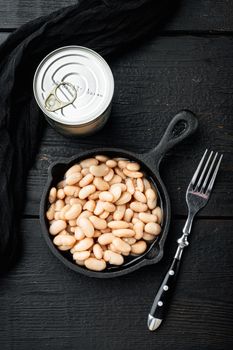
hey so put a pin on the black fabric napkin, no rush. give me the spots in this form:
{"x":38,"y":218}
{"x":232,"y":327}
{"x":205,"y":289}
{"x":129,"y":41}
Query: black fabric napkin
{"x":107,"y":26}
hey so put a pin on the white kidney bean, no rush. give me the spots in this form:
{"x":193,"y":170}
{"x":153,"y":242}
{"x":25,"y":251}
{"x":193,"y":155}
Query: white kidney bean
{"x":118,"y":224}
{"x":80,"y":262}
{"x":106,"y":196}
{"x":128,"y":215}
{"x":122,"y":164}
{"x":73,"y":179}
{"x":94,"y":195}
{"x":84,"y":244}
{"x":148,"y":237}
{"x":113,"y":248}
{"x":130,"y":186}
{"x":99,"y":224}
{"x":95,"y":264}
{"x":116,"y":192}
{"x":138,"y":248}
{"x":64,"y":239}
{"x":129,"y":240}
{"x":79,"y":234}
{"x":100,"y":184}
{"x":139,"y":185}
{"x":74,"y":169}
{"x":67,"y":199}
{"x":84,"y":214}
{"x":132,"y":166}
{"x":140,"y":197}
{"x":146,"y":184}
{"x":109,"y":207}
{"x":99,"y":170}
{"x":64,"y":247}
{"x":50,"y":212}
{"x":109,"y":176}
{"x":76,"y":200}
{"x":57,"y":226}
{"x":86,"y":180}
{"x":122,"y":186}
{"x":119,"y":213}
{"x":153,"y":228}
{"x":106,"y":238}
{"x":138,"y":206}
{"x":124,"y":198}
{"x":81,"y":255}
{"x":150,"y":194}
{"x":121,"y":245}
{"x":59,"y":204}
{"x":52,"y":195}
{"x":60,"y":193}
{"x":57,"y":216}
{"x":115,"y":180}
{"x":89,"y":205}
{"x":87,"y":226}
{"x":85,"y":171}
{"x":73,"y":212}
{"x":87,"y":163}
{"x":120,"y":173}
{"x":146,"y":217}
{"x":86,"y":191}
{"x":133,"y":174}
{"x":101,"y":158}
{"x":104,"y":215}
{"x":111,"y":163}
{"x":158,"y":212}
{"x":98,"y":251}
{"x":152,"y":204}
{"x":123,"y":232}
{"x":138,"y":229}
{"x":71,"y":191}
{"x":113,"y":258}
{"x":99,"y":208}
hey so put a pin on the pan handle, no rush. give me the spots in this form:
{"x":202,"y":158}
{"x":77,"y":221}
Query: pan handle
{"x":181,"y":126}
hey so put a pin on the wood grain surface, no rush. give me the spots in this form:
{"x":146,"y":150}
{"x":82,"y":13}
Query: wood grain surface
{"x":46,"y":306}
{"x":198,"y":15}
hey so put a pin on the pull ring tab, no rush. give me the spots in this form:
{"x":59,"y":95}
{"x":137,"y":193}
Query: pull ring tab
{"x":53,"y":102}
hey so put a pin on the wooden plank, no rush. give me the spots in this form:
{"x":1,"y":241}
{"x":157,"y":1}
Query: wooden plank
{"x":166,"y":75}
{"x":191,"y":15}
{"x":45,"y":305}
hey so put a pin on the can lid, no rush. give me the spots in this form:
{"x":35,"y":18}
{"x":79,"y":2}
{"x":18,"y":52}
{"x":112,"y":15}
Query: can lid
{"x":73,"y":67}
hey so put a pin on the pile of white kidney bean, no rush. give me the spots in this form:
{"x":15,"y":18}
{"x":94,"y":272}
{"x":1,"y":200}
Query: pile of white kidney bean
{"x":103,"y":209}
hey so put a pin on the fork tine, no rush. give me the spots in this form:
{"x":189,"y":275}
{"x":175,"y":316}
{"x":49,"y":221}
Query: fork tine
{"x":198,"y":168}
{"x":209,"y":189}
{"x":203,"y":171}
{"x":209,"y":172}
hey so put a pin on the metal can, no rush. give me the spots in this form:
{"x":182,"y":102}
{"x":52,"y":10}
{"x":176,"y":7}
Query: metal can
{"x":73,"y":87}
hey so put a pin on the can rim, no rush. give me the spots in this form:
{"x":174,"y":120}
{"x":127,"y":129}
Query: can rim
{"x":105,"y":105}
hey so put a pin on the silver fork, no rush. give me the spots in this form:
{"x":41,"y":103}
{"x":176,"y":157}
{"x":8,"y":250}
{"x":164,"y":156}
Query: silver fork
{"x":197,"y":196}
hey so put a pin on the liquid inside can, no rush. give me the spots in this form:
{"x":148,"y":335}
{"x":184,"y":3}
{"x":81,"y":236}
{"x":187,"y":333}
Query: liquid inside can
{"x":74,"y":87}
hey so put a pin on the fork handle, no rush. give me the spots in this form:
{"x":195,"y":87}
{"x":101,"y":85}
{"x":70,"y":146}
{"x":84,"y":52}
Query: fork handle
{"x":163,"y":295}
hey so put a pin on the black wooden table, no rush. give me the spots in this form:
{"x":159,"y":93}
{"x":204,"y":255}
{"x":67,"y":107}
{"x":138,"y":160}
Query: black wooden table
{"x":189,"y":64}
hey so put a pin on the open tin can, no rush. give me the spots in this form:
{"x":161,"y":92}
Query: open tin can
{"x":73,"y":87}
